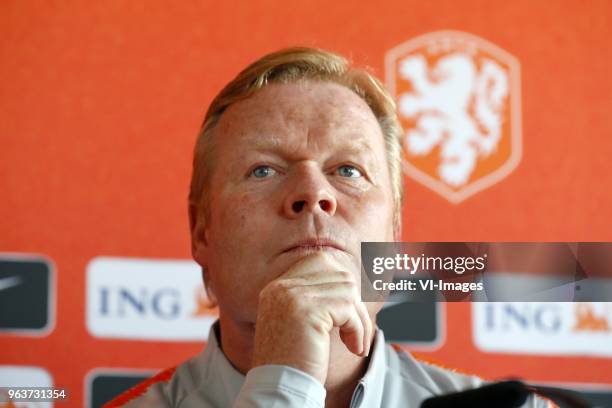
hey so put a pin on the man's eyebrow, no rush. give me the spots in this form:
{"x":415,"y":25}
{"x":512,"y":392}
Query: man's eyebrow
{"x":356,"y":146}
{"x":274,"y":145}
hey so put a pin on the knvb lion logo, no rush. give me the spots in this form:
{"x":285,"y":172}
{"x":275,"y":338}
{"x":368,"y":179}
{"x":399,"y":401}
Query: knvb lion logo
{"x":458,"y":101}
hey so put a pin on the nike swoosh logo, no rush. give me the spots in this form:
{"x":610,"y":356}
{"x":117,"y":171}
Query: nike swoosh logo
{"x":6,"y":283}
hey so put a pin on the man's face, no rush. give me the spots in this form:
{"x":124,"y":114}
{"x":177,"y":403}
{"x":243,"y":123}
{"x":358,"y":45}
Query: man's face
{"x":299,"y":168}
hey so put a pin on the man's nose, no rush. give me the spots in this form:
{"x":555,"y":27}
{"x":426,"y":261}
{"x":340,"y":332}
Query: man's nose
{"x":309,"y":191}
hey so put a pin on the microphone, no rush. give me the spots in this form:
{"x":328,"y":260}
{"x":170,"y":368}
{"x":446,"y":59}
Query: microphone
{"x":505,"y":394}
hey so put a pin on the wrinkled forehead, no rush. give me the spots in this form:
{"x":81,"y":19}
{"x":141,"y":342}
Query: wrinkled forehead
{"x":316,"y":112}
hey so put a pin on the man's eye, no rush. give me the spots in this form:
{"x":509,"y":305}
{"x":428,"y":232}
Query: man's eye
{"x":263,"y":171}
{"x":349,"y":171}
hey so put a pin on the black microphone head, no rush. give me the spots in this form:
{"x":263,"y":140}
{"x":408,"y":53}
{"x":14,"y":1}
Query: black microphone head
{"x":506,"y":394}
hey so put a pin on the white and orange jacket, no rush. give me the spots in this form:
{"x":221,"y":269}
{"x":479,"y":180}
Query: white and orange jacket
{"x":393,"y":378}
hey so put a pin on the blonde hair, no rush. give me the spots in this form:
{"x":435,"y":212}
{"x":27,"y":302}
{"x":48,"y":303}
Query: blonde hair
{"x":293,"y":65}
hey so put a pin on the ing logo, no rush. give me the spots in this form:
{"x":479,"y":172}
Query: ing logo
{"x":458,"y":99}
{"x":588,"y":320}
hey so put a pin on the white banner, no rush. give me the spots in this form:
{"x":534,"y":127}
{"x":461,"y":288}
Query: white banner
{"x":551,"y":328}
{"x":147,"y":300}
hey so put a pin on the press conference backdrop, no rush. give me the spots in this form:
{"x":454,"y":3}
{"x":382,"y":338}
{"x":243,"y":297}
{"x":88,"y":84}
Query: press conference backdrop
{"x":506,"y":111}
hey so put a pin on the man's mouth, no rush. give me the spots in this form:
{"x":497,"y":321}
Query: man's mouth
{"x":313,"y":245}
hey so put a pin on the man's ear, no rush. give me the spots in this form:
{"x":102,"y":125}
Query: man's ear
{"x":199,"y":240}
{"x":199,"y":250}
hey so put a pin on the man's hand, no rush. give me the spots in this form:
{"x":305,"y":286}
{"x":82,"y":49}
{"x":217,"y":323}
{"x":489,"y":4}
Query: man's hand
{"x":298,"y":310}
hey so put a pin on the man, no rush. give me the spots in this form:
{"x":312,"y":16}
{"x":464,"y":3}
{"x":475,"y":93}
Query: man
{"x":297,"y":163}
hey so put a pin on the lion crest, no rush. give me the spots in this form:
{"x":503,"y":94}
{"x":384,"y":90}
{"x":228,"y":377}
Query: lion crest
{"x":457,"y":99}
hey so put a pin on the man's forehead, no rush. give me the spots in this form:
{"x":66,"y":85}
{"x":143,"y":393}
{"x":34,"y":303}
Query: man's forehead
{"x":280,"y":112}
{"x":350,"y":143}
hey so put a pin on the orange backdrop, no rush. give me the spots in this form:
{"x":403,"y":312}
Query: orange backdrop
{"x":100,"y":104}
